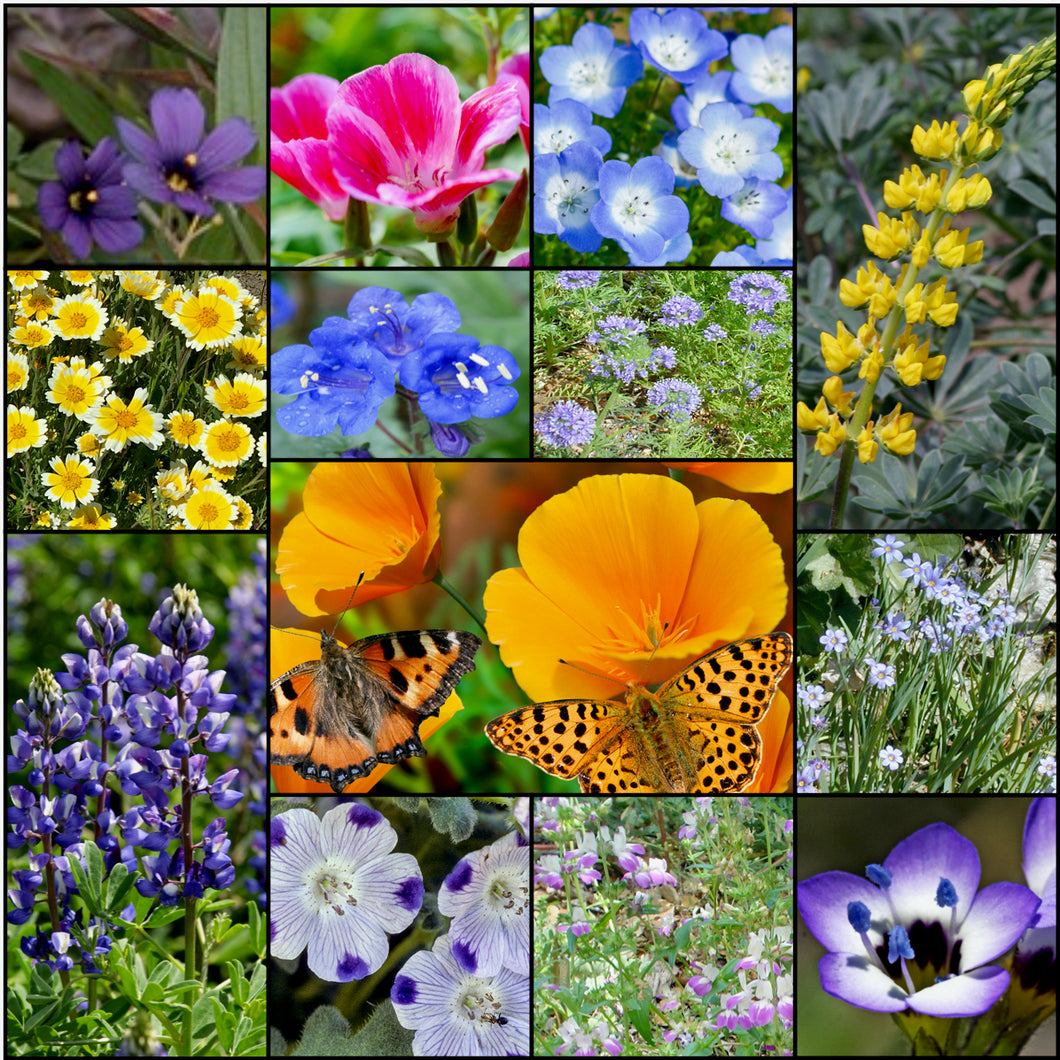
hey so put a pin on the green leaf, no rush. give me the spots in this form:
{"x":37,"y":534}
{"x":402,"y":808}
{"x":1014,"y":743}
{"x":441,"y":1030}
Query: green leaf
{"x":81,"y":107}
{"x":241,"y":67}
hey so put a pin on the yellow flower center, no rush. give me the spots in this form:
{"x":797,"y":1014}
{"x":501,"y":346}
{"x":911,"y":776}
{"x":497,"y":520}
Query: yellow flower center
{"x":209,"y":512}
{"x":208,"y":317}
{"x":74,"y":395}
{"x":70,"y":480}
{"x":78,"y":319}
{"x":18,"y":432}
{"x":229,"y":441}
{"x":125,"y":419}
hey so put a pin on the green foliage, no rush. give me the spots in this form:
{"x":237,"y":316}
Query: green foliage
{"x":986,"y":441}
{"x":973,"y":717}
{"x":736,"y":419}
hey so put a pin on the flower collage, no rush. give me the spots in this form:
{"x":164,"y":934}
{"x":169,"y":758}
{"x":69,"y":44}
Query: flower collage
{"x":475,"y":584}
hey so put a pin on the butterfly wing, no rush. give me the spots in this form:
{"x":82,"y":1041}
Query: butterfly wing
{"x":336,"y":719}
{"x":562,"y":738}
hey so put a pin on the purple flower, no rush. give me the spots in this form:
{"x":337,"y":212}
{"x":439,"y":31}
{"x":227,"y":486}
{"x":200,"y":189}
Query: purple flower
{"x":918,"y":934}
{"x":715,"y":332}
{"x":90,"y":203}
{"x":564,"y":123}
{"x":593,"y":70}
{"x":726,"y":148}
{"x":763,"y":66}
{"x":337,"y":889}
{"x":675,"y":398}
{"x":565,"y":424}
{"x":572,"y":280}
{"x":456,"y":378}
{"x":455,"y":1013}
{"x":679,"y":310}
{"x":637,"y":207}
{"x":338,"y":380}
{"x":566,"y":188}
{"x":182,"y":165}
{"x":757,"y":292}
{"x":679,"y":43}
{"x":488,"y":897}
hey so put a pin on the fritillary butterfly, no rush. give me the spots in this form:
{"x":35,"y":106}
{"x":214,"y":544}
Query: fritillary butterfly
{"x":696,"y":734}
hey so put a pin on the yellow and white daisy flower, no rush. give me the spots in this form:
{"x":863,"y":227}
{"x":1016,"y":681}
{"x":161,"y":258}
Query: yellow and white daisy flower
{"x":91,"y":517}
{"x":209,"y":320}
{"x":244,"y":396}
{"x":70,"y":481}
{"x":77,"y":388}
{"x":79,"y":316}
{"x":26,"y":279}
{"x":248,"y":353}
{"x":209,"y":509}
{"x":32,"y":336}
{"x":184,"y":428}
{"x":17,"y":371}
{"x":226,"y":443}
{"x":117,"y":423}
{"x":147,"y":285}
{"x":79,"y":277}
{"x":24,"y":429}
{"x":37,"y":304}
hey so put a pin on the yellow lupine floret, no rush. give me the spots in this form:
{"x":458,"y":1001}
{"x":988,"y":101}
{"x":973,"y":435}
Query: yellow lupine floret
{"x":953,"y":249}
{"x":969,"y":193}
{"x":936,"y":142}
{"x":841,"y":400}
{"x":914,"y":188}
{"x":912,"y":362}
{"x":892,"y":236}
{"x":872,"y":286}
{"x":872,"y":365}
{"x":840,"y":350}
{"x":811,"y":420}
{"x":867,"y":446}
{"x":829,"y":441}
{"x":895,"y":432}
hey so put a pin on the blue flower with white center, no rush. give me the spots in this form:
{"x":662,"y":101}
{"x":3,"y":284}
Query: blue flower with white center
{"x":917,"y":935}
{"x":566,"y":188}
{"x":834,"y":640}
{"x":777,"y":250}
{"x":337,"y":890}
{"x":763,"y":68}
{"x":891,"y":758}
{"x":566,"y":424}
{"x":706,"y":89}
{"x":754,"y":206}
{"x":679,"y":43}
{"x":456,"y":378}
{"x":382,"y":317}
{"x":564,"y":123}
{"x":338,"y":380}
{"x":592,"y":69}
{"x":456,"y":1013}
{"x":684,"y":174}
{"x":674,"y":397}
{"x":726,"y":148}
{"x":889,"y":547}
{"x":637,"y":207}
{"x":675,"y":249}
{"x":881,"y":674}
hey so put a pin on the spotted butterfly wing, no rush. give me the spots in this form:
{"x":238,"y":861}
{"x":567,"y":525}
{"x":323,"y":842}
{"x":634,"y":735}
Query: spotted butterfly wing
{"x":695,"y":734}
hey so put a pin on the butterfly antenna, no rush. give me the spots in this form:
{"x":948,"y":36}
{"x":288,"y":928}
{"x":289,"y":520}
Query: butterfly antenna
{"x":349,"y":602}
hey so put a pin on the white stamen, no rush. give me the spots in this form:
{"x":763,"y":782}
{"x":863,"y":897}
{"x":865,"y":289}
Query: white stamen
{"x":504,"y":371}
{"x":479,"y":360}
{"x":478,"y":381}
{"x":463,"y":380}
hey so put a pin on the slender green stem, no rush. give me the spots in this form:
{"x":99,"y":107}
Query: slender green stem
{"x":475,"y":612}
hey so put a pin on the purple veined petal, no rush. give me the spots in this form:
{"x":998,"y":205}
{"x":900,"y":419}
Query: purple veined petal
{"x":228,"y":143}
{"x":117,"y":236}
{"x":76,"y":236}
{"x":238,"y":185}
{"x":178,"y":119}
{"x":139,"y":144}
{"x":147,"y":181}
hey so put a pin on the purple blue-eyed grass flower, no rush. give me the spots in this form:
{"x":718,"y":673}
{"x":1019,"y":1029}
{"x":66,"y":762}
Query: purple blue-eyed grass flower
{"x":338,"y":381}
{"x":337,"y":889}
{"x":727,"y":149}
{"x":592,"y":69}
{"x":566,"y":188}
{"x":917,"y":935}
{"x":90,"y":203}
{"x":679,"y":42}
{"x":182,"y":164}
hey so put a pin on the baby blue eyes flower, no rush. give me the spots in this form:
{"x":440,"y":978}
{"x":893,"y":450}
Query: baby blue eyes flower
{"x":679,"y":43}
{"x":763,"y":68}
{"x":638,"y":209}
{"x":566,"y":190}
{"x":754,"y":206}
{"x":706,"y":89}
{"x":456,"y":378}
{"x":565,"y":123}
{"x":726,"y":148}
{"x":593,"y":70}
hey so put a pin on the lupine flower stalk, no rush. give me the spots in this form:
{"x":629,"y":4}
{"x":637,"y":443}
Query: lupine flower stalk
{"x":927,"y":201}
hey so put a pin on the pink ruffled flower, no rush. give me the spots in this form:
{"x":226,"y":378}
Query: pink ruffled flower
{"x":298,"y":134}
{"x":398,"y":135}
{"x":517,"y":68}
